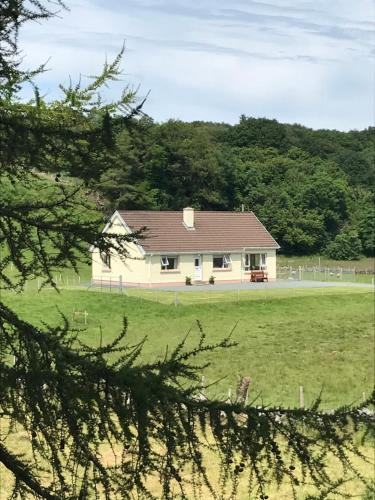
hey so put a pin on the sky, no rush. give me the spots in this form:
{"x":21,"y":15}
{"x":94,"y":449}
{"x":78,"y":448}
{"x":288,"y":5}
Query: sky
{"x":298,"y":61}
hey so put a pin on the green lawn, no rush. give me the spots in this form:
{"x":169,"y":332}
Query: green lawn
{"x":285,"y":339}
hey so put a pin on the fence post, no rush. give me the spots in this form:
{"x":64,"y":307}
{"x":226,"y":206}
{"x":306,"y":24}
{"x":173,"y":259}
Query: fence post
{"x":300,"y":273}
{"x":301,"y":397}
{"x":120,"y":282}
{"x":202,"y":385}
{"x":110,"y":284}
{"x":230,"y":394}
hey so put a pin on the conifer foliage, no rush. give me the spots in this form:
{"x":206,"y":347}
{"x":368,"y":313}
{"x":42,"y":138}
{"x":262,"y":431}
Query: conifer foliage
{"x":101,"y":429}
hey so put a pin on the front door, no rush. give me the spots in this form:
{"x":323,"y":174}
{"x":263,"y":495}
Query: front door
{"x":197,"y":268}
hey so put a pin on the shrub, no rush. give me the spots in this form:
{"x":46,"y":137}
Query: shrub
{"x":187,"y":280}
{"x":346,"y":246}
{"x":211,"y":280}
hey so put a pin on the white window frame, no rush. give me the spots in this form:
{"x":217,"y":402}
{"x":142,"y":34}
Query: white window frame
{"x":227,"y":261}
{"x":262,"y":262}
{"x":164,"y":262}
{"x":105,"y":257}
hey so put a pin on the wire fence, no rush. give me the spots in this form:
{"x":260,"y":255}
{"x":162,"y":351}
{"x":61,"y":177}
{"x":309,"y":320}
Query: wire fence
{"x":290,"y":276}
{"x":199,"y":296}
{"x":333,"y":273}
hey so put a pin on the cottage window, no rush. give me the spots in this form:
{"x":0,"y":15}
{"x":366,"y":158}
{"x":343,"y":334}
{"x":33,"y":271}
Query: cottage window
{"x":106,"y":259}
{"x":255,"y":261}
{"x":221,"y":261}
{"x":167,"y":263}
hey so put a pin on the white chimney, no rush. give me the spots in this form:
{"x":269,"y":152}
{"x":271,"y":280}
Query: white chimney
{"x":188,"y":217}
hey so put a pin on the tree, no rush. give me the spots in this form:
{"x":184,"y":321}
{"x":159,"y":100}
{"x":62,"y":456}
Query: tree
{"x":346,"y":246}
{"x":65,"y":396}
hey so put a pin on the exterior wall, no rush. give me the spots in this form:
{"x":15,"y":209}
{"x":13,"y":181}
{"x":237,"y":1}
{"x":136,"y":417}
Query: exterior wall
{"x":236,"y":274}
{"x":132,"y":270}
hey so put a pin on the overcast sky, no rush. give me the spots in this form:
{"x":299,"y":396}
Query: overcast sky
{"x":304,"y":61}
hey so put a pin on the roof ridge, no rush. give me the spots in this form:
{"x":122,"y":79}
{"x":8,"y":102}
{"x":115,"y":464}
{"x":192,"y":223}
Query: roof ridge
{"x":181,"y":211}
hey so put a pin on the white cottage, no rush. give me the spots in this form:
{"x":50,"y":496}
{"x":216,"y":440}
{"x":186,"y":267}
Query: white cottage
{"x":197,"y":244}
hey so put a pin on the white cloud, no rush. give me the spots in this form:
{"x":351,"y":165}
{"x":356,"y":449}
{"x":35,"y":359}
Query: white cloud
{"x":301,"y":61}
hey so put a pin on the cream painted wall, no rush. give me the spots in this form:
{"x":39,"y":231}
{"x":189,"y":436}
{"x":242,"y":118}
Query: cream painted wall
{"x":132,"y":269}
{"x":147,"y":270}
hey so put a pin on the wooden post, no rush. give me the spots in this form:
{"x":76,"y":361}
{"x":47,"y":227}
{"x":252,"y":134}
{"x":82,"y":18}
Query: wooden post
{"x":301,"y":397}
{"x":203,"y":385}
{"x":243,"y":384}
{"x":110,"y":284}
{"x":300,"y":273}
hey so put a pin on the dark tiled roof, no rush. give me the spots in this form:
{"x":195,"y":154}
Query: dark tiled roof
{"x":216,"y":231}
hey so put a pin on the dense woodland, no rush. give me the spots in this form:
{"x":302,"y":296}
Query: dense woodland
{"x":311,"y":188}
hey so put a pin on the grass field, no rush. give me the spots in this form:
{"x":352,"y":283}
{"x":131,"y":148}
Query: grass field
{"x":285,"y":339}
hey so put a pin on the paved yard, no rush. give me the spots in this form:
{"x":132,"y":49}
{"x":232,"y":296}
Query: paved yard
{"x":262,"y":286}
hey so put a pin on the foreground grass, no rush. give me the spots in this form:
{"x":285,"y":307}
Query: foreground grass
{"x":19,"y":442}
{"x":322,"y":342}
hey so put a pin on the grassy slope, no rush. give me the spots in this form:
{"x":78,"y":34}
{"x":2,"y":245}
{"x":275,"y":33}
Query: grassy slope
{"x":315,"y":341}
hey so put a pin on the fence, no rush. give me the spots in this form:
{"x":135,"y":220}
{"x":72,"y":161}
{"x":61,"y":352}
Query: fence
{"x":214,"y":295}
{"x":243,"y":392}
{"x":318,"y":273}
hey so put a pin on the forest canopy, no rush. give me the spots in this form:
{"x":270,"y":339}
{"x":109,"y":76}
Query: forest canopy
{"x":311,"y":188}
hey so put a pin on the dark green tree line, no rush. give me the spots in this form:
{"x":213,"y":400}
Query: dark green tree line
{"x":302,"y":184}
